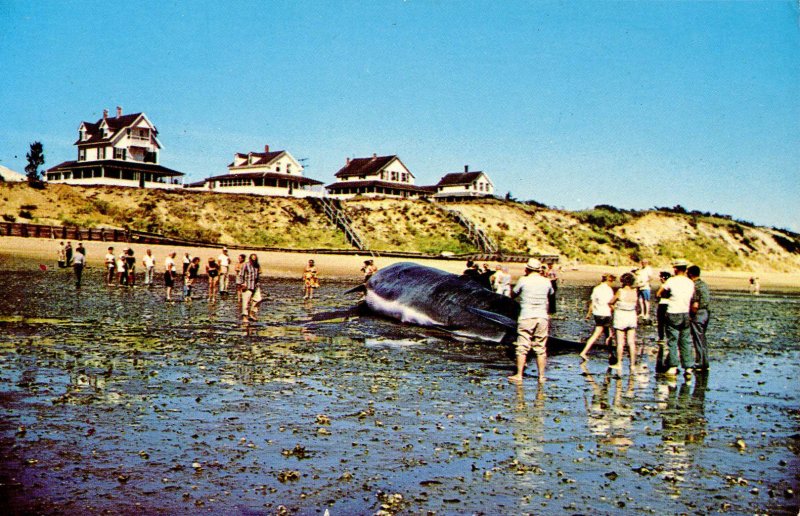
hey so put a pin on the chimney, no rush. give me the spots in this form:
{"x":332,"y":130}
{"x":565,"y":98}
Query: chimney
{"x":466,"y":168}
{"x":266,"y":148}
{"x":374,"y":155}
{"x":105,"y":114}
{"x":347,"y":162}
{"x":119,"y":111}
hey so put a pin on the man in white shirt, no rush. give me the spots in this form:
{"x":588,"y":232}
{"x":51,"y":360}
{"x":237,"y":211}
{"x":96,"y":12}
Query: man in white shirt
{"x":678,"y":290}
{"x":533,"y":325}
{"x":224,"y":268}
{"x":111,"y":267}
{"x":78,"y":261}
{"x":149,"y":266}
{"x":602,"y":294}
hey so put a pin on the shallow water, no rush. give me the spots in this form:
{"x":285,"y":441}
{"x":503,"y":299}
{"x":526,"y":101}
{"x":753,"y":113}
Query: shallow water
{"x":115,"y":400}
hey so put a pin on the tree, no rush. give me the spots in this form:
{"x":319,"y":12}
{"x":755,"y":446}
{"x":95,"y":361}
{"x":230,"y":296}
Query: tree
{"x":35,"y":160}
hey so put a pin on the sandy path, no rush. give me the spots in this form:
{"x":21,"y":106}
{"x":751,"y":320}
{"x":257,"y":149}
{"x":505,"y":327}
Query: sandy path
{"x":289,"y":264}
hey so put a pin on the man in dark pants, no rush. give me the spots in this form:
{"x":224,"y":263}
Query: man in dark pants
{"x":78,"y":261}
{"x":700,"y":315}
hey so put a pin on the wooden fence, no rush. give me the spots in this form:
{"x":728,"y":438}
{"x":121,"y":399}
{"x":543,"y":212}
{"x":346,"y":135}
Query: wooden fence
{"x":20,"y":229}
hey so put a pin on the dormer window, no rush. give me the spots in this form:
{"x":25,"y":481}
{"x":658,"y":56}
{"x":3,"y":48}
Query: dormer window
{"x":82,"y":134}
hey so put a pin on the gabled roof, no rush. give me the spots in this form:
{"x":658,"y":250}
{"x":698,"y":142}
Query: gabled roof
{"x":115,"y":125}
{"x":365,"y":166}
{"x":381,"y":184}
{"x":263,"y":158}
{"x":272,"y":175}
{"x":459,"y":178}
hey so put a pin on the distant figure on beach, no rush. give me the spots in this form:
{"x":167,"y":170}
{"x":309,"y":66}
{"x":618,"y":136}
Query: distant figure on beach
{"x":552,"y":275}
{"x":130,"y":267}
{"x":122,"y":274}
{"x":533,"y":323}
{"x":62,"y":256}
{"x":68,"y":254}
{"x":624,"y":304}
{"x":501,"y":281}
{"x":661,"y":310}
{"x":149,"y":264}
{"x":251,"y":292}
{"x":700,"y":316}
{"x":310,"y":280}
{"x":187,"y":260}
{"x":192,"y":271}
{"x":472,"y":271}
{"x":600,"y":310}
{"x":680,"y":290}
{"x":368,"y":269}
{"x":237,"y":271}
{"x":643,"y":277}
{"x":755,"y":286}
{"x":169,"y":274}
{"x":78,"y":262}
{"x":224,"y":270}
{"x":486,"y":275}
{"x":212,"y":271}
{"x":111,"y":267}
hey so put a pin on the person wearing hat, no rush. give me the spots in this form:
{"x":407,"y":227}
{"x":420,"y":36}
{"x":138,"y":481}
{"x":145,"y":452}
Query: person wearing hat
{"x":680,"y":290}
{"x":533,"y":324}
{"x":599,"y":308}
{"x":700,"y":314}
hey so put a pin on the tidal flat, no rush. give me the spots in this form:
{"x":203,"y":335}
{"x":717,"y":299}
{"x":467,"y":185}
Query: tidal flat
{"x":115,"y":401}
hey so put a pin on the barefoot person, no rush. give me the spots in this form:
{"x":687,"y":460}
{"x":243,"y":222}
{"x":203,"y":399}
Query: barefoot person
{"x":111,"y":267}
{"x":251,"y":292}
{"x":533,"y":290}
{"x":600,"y":309}
{"x":212,"y":271}
{"x":310,"y":280}
{"x":224,"y":261}
{"x":149,"y":264}
{"x":237,"y":272}
{"x":698,"y":320}
{"x":624,"y":304}
{"x":169,"y":274}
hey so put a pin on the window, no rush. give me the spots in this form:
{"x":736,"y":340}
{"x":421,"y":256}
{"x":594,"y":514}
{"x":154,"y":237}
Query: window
{"x":101,"y":153}
{"x":278,"y":168}
{"x":288,"y":168}
{"x":404,"y":177}
{"x":120,"y":154}
{"x":81,"y":154}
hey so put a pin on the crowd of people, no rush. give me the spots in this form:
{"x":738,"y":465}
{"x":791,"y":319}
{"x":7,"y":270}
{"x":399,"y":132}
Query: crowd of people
{"x":682,"y":313}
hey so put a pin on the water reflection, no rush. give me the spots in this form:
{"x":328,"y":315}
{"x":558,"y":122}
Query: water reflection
{"x":609,"y":413}
{"x":684,"y":424}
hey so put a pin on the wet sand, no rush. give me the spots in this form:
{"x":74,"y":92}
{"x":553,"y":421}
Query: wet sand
{"x":115,"y":401}
{"x":287,"y":264}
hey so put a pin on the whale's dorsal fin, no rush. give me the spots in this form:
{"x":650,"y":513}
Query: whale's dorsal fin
{"x":500,"y":319}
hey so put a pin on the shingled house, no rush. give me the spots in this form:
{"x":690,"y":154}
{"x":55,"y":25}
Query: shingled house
{"x":120,"y":151}
{"x":378,"y":176}
{"x":275,"y":173}
{"x":460,"y":185}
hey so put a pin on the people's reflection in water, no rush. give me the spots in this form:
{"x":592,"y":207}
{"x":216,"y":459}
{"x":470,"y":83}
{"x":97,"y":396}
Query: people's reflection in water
{"x":683,"y":421}
{"x":683,"y":416}
{"x":528,"y":432}
{"x":609,"y":413}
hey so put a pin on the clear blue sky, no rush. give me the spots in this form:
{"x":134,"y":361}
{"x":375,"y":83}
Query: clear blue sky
{"x":572,"y":104}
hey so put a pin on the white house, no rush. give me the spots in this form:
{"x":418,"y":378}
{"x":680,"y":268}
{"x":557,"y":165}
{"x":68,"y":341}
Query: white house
{"x":460,"y":185}
{"x":120,"y":151}
{"x":275,"y":173}
{"x":378,"y":176}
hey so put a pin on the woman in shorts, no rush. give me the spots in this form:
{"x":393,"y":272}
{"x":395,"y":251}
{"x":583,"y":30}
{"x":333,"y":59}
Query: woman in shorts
{"x":624,"y":305}
{"x":212,"y":270}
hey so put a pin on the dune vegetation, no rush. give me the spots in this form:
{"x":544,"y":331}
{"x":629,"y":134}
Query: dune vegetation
{"x":601,"y":235}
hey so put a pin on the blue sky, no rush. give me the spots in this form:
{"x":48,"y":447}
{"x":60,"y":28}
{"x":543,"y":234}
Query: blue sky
{"x":572,"y":104}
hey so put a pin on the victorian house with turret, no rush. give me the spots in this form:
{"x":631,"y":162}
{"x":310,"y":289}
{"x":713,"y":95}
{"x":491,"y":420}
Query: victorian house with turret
{"x":120,"y":151}
{"x":275,"y":173}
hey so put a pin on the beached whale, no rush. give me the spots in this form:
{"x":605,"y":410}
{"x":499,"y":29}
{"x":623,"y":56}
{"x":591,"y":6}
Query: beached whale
{"x":430,"y":297}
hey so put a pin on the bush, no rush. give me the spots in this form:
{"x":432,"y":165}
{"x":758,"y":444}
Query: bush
{"x":9,"y":218}
{"x":25,"y":214}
